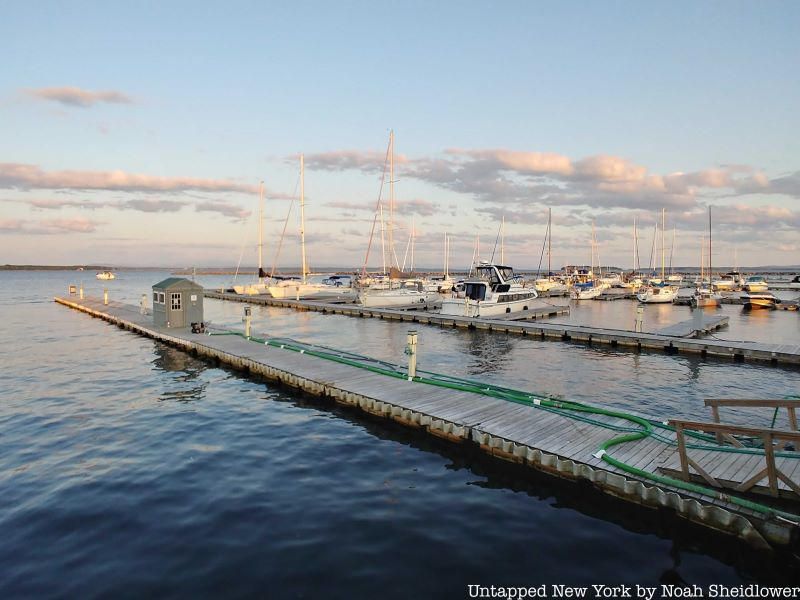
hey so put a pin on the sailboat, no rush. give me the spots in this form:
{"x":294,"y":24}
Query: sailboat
{"x":587,"y":286}
{"x":550,"y":284}
{"x":661,"y":292}
{"x":399,"y":288}
{"x":329,"y":288}
{"x":262,"y":284}
{"x":634,"y":281}
{"x":705,"y":296}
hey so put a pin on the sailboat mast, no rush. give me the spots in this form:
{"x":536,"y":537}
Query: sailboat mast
{"x":260,"y":232}
{"x":383,"y":240}
{"x":502,"y":241}
{"x":303,"y":216}
{"x":392,"y":252}
{"x":663,"y":222}
{"x":446,"y":255}
{"x":413,"y":235}
{"x":549,"y":241}
{"x":635,"y":245}
{"x":709,"y":245}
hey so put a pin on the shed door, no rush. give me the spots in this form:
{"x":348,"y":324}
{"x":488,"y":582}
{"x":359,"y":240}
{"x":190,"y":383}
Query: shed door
{"x":176,"y":318}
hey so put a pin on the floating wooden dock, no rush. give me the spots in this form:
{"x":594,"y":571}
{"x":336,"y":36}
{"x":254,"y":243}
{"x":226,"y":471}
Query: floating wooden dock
{"x":700,"y":324}
{"x":541,"y":438}
{"x":776,"y":354}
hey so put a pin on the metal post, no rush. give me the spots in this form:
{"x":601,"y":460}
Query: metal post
{"x":73,"y":289}
{"x":80,"y":291}
{"x":105,"y":296}
{"x":143,"y":304}
{"x":411,"y":351}
{"x":246,"y":319}
{"x":639,"y":319}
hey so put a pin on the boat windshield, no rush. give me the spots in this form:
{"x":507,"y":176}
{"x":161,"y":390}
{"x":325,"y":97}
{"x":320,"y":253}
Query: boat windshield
{"x":495,"y":275}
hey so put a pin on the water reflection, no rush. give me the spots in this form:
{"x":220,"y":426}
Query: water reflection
{"x":185,"y":370}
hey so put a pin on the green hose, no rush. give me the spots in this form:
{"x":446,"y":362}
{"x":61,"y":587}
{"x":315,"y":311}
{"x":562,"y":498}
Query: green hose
{"x":550,"y":404}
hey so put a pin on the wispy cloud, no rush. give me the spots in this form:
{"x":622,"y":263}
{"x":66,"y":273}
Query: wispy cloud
{"x":418,"y":206}
{"x":74,"y":96}
{"x":25,"y":176}
{"x":49,"y":226}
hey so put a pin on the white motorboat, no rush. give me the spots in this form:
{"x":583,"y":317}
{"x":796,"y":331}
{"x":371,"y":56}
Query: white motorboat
{"x":409,"y":292}
{"x":759,"y":300}
{"x":493,"y":291}
{"x":756,"y":283}
{"x":105,"y":275}
{"x":728,"y":282}
{"x":795,"y":283}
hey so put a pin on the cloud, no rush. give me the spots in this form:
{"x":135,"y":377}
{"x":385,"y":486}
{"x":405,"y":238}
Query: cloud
{"x":16,"y":175}
{"x":74,"y":96}
{"x":343,"y":160}
{"x":224,"y":208}
{"x":49,"y":226}
{"x":149,"y":205}
{"x":423,"y":208}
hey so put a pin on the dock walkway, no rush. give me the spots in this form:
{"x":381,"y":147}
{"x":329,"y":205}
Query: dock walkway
{"x":542,"y":438}
{"x":699,"y":324}
{"x":777,"y":354}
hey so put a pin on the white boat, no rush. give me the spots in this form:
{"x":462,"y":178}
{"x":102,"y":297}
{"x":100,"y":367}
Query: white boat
{"x":552,"y":285}
{"x":105,"y":275}
{"x":757,"y":300}
{"x":588,"y":290}
{"x":795,"y":283}
{"x":705,"y":297}
{"x":658,"y":291}
{"x":409,"y":292}
{"x":262,"y":283}
{"x":756,"y":283}
{"x":492,"y":292}
{"x":657,"y":294}
{"x":332,"y":287}
{"x":728,"y":282}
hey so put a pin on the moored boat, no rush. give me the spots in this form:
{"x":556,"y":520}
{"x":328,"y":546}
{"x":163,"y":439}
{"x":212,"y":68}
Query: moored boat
{"x":105,"y":275}
{"x":493,"y":291}
{"x":657,"y":294}
{"x":407,"y":293}
{"x":756,"y":283}
{"x":759,"y":300}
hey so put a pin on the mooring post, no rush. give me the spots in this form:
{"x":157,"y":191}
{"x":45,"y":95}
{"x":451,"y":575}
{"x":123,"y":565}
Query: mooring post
{"x":143,"y":304}
{"x":80,"y":291}
{"x":105,"y":296}
{"x":639,"y":319}
{"x":73,"y":289}
{"x":411,"y":351}
{"x":246,"y":319}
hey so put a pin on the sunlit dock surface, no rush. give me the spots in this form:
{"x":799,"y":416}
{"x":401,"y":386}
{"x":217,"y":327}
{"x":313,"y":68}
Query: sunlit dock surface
{"x":547,"y":434}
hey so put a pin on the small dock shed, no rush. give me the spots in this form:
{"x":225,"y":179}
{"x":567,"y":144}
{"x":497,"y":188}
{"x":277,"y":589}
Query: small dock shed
{"x":177,"y":302}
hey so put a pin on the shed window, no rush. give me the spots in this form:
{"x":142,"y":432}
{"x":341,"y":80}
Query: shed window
{"x":155,"y":297}
{"x":161,"y":298}
{"x":176,"y":301}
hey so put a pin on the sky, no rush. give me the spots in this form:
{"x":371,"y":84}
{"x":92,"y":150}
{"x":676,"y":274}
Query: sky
{"x":136,"y":134}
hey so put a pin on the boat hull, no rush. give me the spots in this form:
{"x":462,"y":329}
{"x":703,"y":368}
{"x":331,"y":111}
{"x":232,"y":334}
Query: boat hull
{"x":464,"y":307}
{"x":397,"y":298}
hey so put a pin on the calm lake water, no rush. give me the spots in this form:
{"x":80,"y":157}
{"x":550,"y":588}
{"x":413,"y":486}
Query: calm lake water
{"x":129,"y":469}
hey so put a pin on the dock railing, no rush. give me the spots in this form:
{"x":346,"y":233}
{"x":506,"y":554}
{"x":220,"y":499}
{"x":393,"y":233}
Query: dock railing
{"x":767,"y":435}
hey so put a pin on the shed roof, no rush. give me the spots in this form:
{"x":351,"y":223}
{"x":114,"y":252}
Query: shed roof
{"x":171,"y":282}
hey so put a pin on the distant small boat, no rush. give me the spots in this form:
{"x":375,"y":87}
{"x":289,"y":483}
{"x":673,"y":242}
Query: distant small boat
{"x":105,"y":275}
{"x":795,"y":283}
{"x":757,"y":300}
